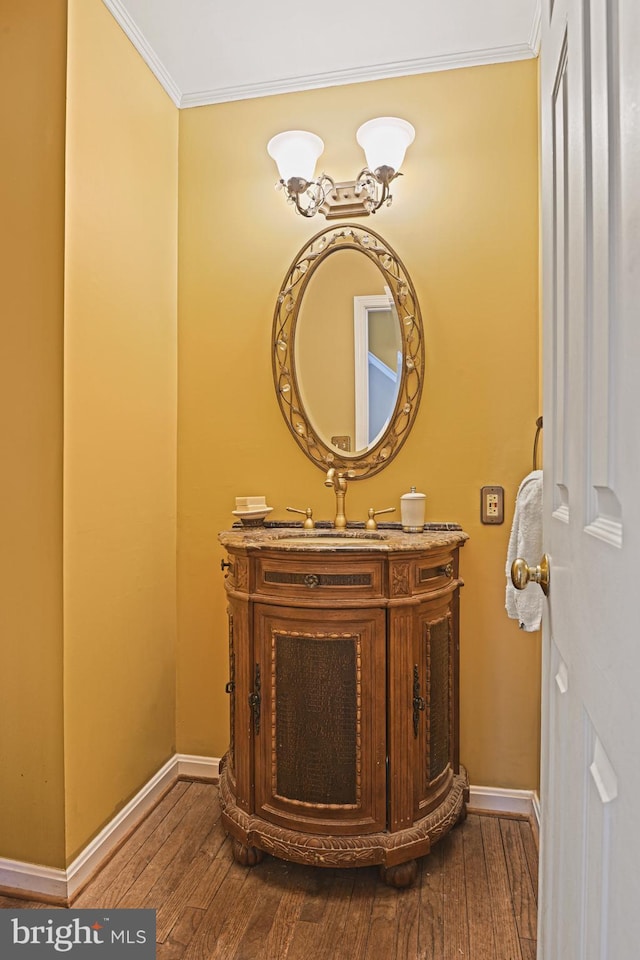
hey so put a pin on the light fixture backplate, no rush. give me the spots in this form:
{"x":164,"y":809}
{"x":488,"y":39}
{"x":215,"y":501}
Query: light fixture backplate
{"x":343,"y":201}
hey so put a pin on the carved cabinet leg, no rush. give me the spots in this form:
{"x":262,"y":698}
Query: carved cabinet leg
{"x":400,"y":875}
{"x":247,"y":856}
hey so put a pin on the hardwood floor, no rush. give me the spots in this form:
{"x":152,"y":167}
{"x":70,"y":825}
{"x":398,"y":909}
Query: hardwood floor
{"x":474,"y":899}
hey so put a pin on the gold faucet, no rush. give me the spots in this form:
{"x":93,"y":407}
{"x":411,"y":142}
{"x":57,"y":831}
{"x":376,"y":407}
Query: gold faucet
{"x":339,"y":483}
{"x":371,"y":523}
{"x":309,"y":523}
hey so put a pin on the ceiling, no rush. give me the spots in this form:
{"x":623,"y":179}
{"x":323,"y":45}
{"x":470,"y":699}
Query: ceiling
{"x":212,"y":51}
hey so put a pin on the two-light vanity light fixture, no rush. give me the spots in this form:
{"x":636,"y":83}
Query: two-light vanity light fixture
{"x":295,"y":152}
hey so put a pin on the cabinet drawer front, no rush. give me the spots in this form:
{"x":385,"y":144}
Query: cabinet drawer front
{"x":314,"y":578}
{"x":432,"y":574}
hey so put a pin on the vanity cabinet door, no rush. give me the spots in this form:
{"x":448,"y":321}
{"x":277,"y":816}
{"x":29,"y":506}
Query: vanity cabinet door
{"x":319,"y":738}
{"x":435,"y":704}
{"x":230,"y":689}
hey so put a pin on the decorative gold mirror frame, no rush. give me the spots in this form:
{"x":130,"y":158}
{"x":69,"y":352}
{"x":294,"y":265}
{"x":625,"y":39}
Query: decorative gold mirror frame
{"x":290,"y":297}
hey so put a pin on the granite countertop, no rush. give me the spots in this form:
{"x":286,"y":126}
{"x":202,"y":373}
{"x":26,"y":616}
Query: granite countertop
{"x":388,"y":538}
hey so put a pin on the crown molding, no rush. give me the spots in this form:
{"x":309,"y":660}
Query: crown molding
{"x":148,"y":54}
{"x":536,"y":29}
{"x":383,"y":71}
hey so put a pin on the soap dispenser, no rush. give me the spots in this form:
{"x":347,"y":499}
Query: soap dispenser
{"x":412,"y":506}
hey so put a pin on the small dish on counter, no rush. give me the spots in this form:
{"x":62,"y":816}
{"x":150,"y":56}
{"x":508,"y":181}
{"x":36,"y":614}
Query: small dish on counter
{"x":252,"y":517}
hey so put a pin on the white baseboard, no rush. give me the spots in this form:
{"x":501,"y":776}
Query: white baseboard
{"x":191,"y":767}
{"x":18,"y":878}
{"x":522,"y":803}
{"x":35,"y":881}
{"x":110,"y":836}
{"x":536,"y":809}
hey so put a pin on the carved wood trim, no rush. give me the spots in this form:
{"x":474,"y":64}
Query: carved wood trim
{"x":399,"y":579}
{"x":337,"y":851}
{"x":241,"y":573}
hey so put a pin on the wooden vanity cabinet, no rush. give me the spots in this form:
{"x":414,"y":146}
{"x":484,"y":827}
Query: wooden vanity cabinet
{"x":343,"y":701}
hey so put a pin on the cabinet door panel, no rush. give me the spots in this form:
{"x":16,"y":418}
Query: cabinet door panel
{"x":231,"y":691}
{"x":438,"y":696}
{"x":321,"y":745}
{"x":435,"y":743}
{"x":316,"y":718}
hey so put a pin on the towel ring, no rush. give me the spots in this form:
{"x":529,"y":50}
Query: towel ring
{"x":535,"y":442}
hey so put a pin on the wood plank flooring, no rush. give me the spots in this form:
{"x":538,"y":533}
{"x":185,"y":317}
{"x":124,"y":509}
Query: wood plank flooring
{"x":474,"y":899}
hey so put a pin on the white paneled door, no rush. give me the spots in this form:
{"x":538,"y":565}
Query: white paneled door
{"x":590,"y":790}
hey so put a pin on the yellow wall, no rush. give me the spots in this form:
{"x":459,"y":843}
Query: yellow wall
{"x":32,"y":75}
{"x":464,"y":222}
{"x":120,"y":423}
{"x":384,"y":340}
{"x":88,"y":547}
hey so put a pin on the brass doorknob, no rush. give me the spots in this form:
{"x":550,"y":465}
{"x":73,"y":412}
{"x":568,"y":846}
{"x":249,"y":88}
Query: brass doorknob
{"x":522,"y":574}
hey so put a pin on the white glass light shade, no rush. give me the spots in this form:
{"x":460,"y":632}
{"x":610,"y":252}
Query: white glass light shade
{"x":385,"y":141}
{"x":295,"y":153}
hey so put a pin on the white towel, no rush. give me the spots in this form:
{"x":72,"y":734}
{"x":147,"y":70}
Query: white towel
{"x":525,"y":541}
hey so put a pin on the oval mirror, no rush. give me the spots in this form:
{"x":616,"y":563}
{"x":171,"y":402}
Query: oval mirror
{"x":348,"y":351}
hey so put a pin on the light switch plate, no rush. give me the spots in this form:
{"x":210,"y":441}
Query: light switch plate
{"x":492,"y":504}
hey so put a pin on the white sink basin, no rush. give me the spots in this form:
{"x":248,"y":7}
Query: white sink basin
{"x":353,"y":539}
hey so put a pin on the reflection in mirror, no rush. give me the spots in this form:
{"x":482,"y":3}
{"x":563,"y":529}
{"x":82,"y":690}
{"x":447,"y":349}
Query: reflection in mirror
{"x":378,"y":365}
{"x":347,"y":342}
{"x":348,"y":352}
